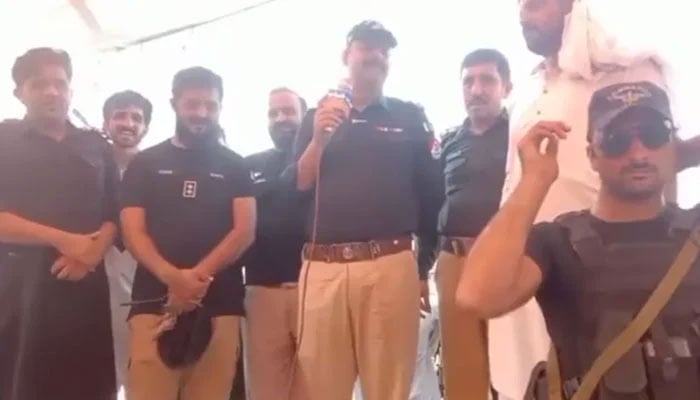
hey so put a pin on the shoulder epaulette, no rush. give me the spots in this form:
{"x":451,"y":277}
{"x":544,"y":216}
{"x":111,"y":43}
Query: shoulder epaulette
{"x":449,"y":133}
{"x":97,"y":133}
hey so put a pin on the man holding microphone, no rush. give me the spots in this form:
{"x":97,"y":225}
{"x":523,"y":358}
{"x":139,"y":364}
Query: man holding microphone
{"x":375,"y":183}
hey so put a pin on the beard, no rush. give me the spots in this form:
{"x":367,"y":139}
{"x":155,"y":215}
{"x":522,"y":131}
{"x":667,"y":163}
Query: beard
{"x":283,"y":134}
{"x":544,"y":43}
{"x":209,"y":134}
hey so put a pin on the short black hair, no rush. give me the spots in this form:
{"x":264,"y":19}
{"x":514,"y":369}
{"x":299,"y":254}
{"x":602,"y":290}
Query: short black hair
{"x":29,"y":63}
{"x":487,"y":56}
{"x":197,"y":78}
{"x":302,"y":102}
{"x":126,"y":99}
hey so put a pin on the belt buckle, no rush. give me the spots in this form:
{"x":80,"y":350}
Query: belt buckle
{"x":374,"y":249}
{"x":456,"y":248}
{"x":327,"y":250}
{"x":347,"y":253}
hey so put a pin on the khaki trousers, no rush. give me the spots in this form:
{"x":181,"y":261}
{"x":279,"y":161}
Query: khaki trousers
{"x":359,"y":318}
{"x":270,"y":336}
{"x":210,"y":378}
{"x":464,"y":338}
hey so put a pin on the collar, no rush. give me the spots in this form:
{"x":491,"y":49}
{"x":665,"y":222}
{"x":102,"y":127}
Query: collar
{"x":544,"y":67}
{"x":381,"y":102}
{"x":29,"y":128}
{"x":502,"y":118}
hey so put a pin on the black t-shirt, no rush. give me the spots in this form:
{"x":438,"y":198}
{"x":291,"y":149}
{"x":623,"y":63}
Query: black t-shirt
{"x":275,"y":257}
{"x":550,"y":248}
{"x":187,"y":195}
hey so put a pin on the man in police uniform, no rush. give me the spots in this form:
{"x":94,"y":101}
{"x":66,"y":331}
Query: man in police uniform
{"x":57,"y":219}
{"x":473,"y":158}
{"x":127,"y":116}
{"x":375,"y":184}
{"x":188,"y":214}
{"x":591,"y":271}
{"x":273,"y":262}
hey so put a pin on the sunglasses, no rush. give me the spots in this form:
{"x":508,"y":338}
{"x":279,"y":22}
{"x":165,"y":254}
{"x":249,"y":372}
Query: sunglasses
{"x":653,"y":137}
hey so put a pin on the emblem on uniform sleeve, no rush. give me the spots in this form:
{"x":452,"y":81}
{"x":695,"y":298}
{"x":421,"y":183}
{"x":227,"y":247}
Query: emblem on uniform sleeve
{"x":189,"y":189}
{"x":435,"y":149}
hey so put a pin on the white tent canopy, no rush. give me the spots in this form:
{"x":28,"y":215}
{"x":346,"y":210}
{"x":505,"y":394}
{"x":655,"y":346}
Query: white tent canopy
{"x":97,"y":24}
{"x":297,"y":43}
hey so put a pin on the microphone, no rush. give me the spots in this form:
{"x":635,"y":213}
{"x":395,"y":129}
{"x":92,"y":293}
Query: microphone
{"x":343,"y":92}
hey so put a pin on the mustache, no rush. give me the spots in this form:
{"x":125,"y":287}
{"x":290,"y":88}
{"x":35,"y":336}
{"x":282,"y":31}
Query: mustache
{"x":635,"y":167}
{"x":478,"y":101}
{"x":207,"y":127}
{"x":207,"y":123}
{"x":126,"y":130}
{"x":285,"y":126}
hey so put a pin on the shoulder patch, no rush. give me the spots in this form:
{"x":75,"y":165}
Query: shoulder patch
{"x":426,"y":122}
{"x":11,"y":124}
{"x":448,"y":134}
{"x":97,"y":134}
{"x":435,"y":148}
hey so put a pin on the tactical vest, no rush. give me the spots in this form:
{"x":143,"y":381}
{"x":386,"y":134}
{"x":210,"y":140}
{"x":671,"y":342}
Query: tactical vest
{"x":614,"y":284}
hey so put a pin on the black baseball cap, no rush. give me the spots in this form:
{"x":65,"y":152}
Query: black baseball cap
{"x":611,"y":101}
{"x":372,"y":32}
{"x":27,"y":64}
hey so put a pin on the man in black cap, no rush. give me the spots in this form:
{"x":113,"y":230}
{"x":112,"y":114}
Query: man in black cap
{"x":57,"y":220}
{"x":273,"y":262}
{"x":376,"y":182}
{"x":592,"y":271}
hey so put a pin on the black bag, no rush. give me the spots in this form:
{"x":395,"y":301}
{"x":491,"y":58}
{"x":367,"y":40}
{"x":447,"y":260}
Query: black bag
{"x":186,"y":342}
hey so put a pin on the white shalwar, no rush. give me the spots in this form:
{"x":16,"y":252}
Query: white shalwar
{"x":120,"y":267}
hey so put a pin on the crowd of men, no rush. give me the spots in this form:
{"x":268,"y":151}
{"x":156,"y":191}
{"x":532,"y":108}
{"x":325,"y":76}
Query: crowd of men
{"x":167,"y":270}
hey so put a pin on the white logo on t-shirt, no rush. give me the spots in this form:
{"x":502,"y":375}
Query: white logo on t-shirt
{"x":189,"y":189}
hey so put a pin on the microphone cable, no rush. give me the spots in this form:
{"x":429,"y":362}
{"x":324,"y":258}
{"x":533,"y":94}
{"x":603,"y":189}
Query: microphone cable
{"x":307,"y":266}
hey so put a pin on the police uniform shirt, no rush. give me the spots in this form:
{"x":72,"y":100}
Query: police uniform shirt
{"x":47,"y":323}
{"x":474,"y":167}
{"x":549,"y":246}
{"x":380,"y":176}
{"x":69,"y":184}
{"x":187,"y":195}
{"x":275,"y":256}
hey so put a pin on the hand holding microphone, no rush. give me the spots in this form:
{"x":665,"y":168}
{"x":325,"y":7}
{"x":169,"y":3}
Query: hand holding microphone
{"x":332,"y":111}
